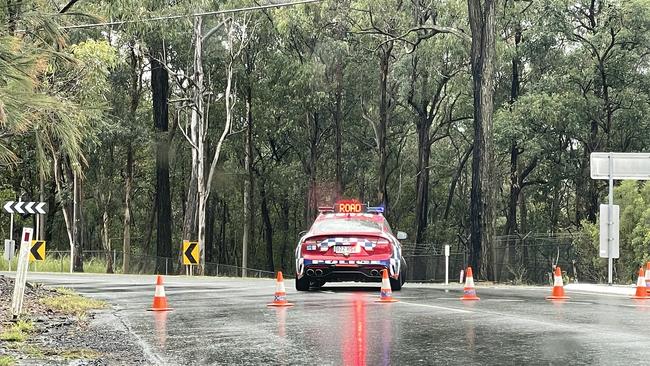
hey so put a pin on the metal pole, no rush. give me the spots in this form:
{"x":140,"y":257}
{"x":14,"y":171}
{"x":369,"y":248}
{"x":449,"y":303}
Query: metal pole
{"x":38,"y":227}
{"x":11,"y":228}
{"x":446,"y":264}
{"x":74,"y":220}
{"x":610,"y":222}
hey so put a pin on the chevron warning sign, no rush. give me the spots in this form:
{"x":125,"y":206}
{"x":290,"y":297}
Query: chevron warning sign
{"x":37,"y":251}
{"x":190,"y":253}
{"x":33,"y":208}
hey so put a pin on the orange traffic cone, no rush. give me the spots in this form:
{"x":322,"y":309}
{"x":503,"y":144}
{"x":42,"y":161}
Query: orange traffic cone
{"x":558,"y":286}
{"x":280,"y":297}
{"x":159,"y":298}
{"x":641,"y":291}
{"x":647,"y":278}
{"x":469,"y":292}
{"x":386,"y":292}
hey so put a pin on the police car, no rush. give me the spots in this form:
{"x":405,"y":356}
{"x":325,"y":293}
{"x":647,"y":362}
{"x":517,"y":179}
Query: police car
{"x":349,"y":242}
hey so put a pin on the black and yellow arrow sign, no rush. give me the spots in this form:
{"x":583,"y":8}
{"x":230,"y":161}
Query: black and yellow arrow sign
{"x":190,"y":252}
{"x":37,"y":251}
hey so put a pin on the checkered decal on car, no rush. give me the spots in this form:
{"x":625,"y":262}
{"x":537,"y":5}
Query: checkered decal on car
{"x":330,"y":242}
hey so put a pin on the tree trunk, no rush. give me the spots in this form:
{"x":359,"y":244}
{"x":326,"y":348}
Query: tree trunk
{"x":77,"y":223}
{"x":422,"y":181}
{"x":313,"y":121}
{"x":382,"y":126}
{"x":482,"y":206}
{"x":106,"y":241}
{"x":223,"y":257}
{"x":209,"y":229}
{"x":284,"y":228}
{"x":128,"y":188}
{"x":160,"y":90}
{"x":338,"y":127}
{"x":268,"y":229}
{"x":248,"y":166}
{"x":65,"y":208}
{"x":422,"y":198}
{"x":511,"y":218}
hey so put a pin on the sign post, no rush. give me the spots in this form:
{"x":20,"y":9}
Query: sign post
{"x":21,"y":272}
{"x":10,"y":251}
{"x":446,"y":264}
{"x":610,"y":166}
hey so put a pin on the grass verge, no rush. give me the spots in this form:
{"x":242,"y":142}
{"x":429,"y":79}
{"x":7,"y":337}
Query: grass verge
{"x":7,"y":361}
{"x":18,"y":332}
{"x":69,"y":302}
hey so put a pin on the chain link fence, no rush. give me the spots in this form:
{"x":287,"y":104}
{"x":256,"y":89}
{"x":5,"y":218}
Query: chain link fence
{"x":531,"y":258}
{"x":98,"y":261}
{"x":511,"y":259}
{"x":514,"y":259}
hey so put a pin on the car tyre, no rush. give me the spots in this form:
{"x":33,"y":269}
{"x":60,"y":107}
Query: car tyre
{"x":302,"y":284}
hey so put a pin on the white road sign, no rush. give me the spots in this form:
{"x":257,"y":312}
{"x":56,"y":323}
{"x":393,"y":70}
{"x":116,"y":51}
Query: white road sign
{"x":26,"y":207}
{"x":635,"y":166}
{"x":10,"y":247}
{"x":604,"y":220}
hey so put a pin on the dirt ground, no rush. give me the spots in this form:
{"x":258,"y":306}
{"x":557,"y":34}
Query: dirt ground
{"x":57,"y":338}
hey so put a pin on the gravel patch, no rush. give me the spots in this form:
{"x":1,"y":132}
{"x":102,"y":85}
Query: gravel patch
{"x":96,"y":338}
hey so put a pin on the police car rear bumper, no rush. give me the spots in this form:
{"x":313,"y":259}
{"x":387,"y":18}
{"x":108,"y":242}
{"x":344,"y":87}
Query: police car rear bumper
{"x":346,"y":270}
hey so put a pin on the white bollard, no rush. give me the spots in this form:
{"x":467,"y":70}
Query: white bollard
{"x":446,"y":264}
{"x":462,"y":272}
{"x":21,"y":272}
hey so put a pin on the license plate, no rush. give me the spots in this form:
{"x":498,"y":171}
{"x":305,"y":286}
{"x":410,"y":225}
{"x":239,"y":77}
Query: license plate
{"x":346,"y":249}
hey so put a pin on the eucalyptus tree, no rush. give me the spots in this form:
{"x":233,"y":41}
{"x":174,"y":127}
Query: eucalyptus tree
{"x":482,"y":20}
{"x":611,"y":37}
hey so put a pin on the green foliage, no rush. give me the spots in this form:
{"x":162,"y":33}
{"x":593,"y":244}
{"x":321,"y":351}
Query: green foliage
{"x":634,"y":236}
{"x":18,"y":332}
{"x":73,"y":303}
{"x":6,"y":360}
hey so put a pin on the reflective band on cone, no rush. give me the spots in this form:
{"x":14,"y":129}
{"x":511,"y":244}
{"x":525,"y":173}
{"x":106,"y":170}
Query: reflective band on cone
{"x":159,"y":298}
{"x":641,"y":290}
{"x":469,"y":292}
{"x":280,"y":296}
{"x":386,"y":292}
{"x":558,"y":286}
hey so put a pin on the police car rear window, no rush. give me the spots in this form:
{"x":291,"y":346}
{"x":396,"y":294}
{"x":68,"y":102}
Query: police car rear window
{"x":346,"y":225}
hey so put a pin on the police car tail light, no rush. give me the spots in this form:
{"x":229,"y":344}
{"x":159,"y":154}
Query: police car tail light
{"x":310,"y":245}
{"x":383,"y":246}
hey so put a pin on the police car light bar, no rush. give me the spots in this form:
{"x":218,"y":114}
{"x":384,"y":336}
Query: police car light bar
{"x":325,"y":209}
{"x":377,"y":210}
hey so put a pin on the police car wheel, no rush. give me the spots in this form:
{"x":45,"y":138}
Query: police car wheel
{"x":302,"y":284}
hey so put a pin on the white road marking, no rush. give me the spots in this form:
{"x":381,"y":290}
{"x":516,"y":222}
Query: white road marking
{"x":638,"y":306}
{"x":504,"y":300}
{"x":438,"y":307}
{"x":575,"y":302}
{"x":596,"y":293}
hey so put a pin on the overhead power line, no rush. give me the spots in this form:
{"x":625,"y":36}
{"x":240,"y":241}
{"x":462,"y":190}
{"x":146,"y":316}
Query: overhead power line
{"x":172,"y":17}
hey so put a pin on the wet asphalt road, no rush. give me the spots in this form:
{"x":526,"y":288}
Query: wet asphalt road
{"x":226,"y":321}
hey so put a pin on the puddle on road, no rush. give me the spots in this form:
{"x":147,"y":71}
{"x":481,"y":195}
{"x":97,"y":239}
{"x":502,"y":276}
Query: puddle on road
{"x":160,"y":328}
{"x":281,"y":314}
